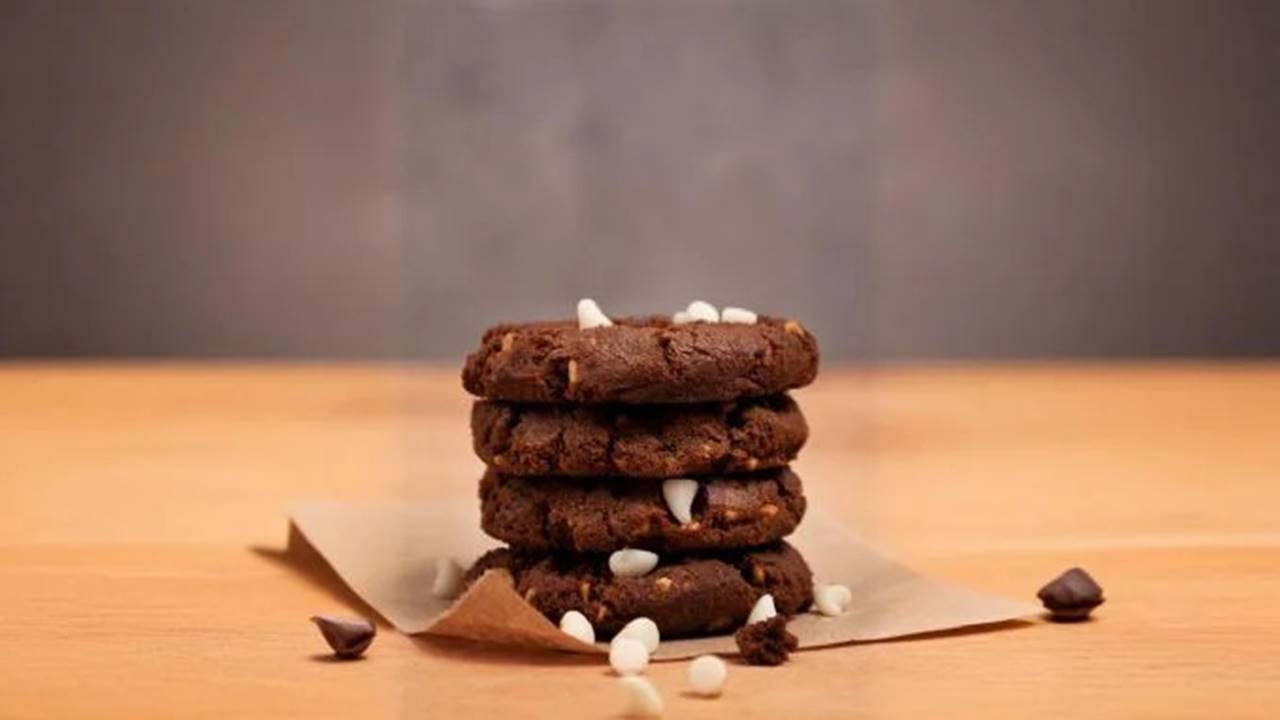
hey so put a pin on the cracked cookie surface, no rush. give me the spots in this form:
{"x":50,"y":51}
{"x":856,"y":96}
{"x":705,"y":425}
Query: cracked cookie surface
{"x":646,"y":441}
{"x":684,"y":595}
{"x":607,"y":514}
{"x":641,"y":360}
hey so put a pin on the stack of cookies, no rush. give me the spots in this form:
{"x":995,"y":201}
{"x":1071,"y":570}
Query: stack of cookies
{"x":637,"y":467}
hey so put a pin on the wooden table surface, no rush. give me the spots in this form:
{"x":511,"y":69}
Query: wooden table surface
{"x":142,"y":529}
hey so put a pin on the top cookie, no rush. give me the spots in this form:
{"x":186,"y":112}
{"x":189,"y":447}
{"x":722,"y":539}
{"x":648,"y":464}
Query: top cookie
{"x":641,"y":360}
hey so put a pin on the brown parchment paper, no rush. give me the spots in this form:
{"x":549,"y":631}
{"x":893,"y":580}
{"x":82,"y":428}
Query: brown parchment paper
{"x":386,"y":551}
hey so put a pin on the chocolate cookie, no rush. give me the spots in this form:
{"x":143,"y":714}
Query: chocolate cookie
{"x":684,"y":595}
{"x":606,"y":514}
{"x":638,"y":440}
{"x":641,"y":360}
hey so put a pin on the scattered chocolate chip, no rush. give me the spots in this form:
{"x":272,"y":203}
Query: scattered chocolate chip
{"x":1071,"y":596}
{"x":766,"y":642}
{"x":348,"y":637}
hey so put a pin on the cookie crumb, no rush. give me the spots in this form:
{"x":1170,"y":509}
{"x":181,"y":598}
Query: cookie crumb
{"x":766,"y":642}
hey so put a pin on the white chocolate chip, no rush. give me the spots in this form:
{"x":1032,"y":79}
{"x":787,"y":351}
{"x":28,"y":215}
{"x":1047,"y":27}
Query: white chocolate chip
{"x":629,"y":562}
{"x":706,"y":675}
{"x":643,"y":699}
{"x":680,"y":317}
{"x":700,"y":310}
{"x":590,"y":315}
{"x":763,"y":610}
{"x":575,"y":624}
{"x":448,"y":580}
{"x":642,"y":629}
{"x":741,"y":316}
{"x":831,"y":599}
{"x":628,"y":656}
{"x":679,"y":494}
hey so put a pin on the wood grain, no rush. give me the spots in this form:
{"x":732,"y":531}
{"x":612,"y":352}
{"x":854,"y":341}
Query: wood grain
{"x":143,"y":571}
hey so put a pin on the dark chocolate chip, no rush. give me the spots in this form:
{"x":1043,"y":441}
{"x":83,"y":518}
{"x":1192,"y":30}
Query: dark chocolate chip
{"x":348,"y":637}
{"x":1071,"y":596}
{"x":766,"y":642}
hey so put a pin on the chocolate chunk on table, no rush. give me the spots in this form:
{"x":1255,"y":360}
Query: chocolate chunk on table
{"x":1071,"y":596}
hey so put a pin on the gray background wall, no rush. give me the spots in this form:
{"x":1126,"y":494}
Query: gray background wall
{"x":914,"y":179}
